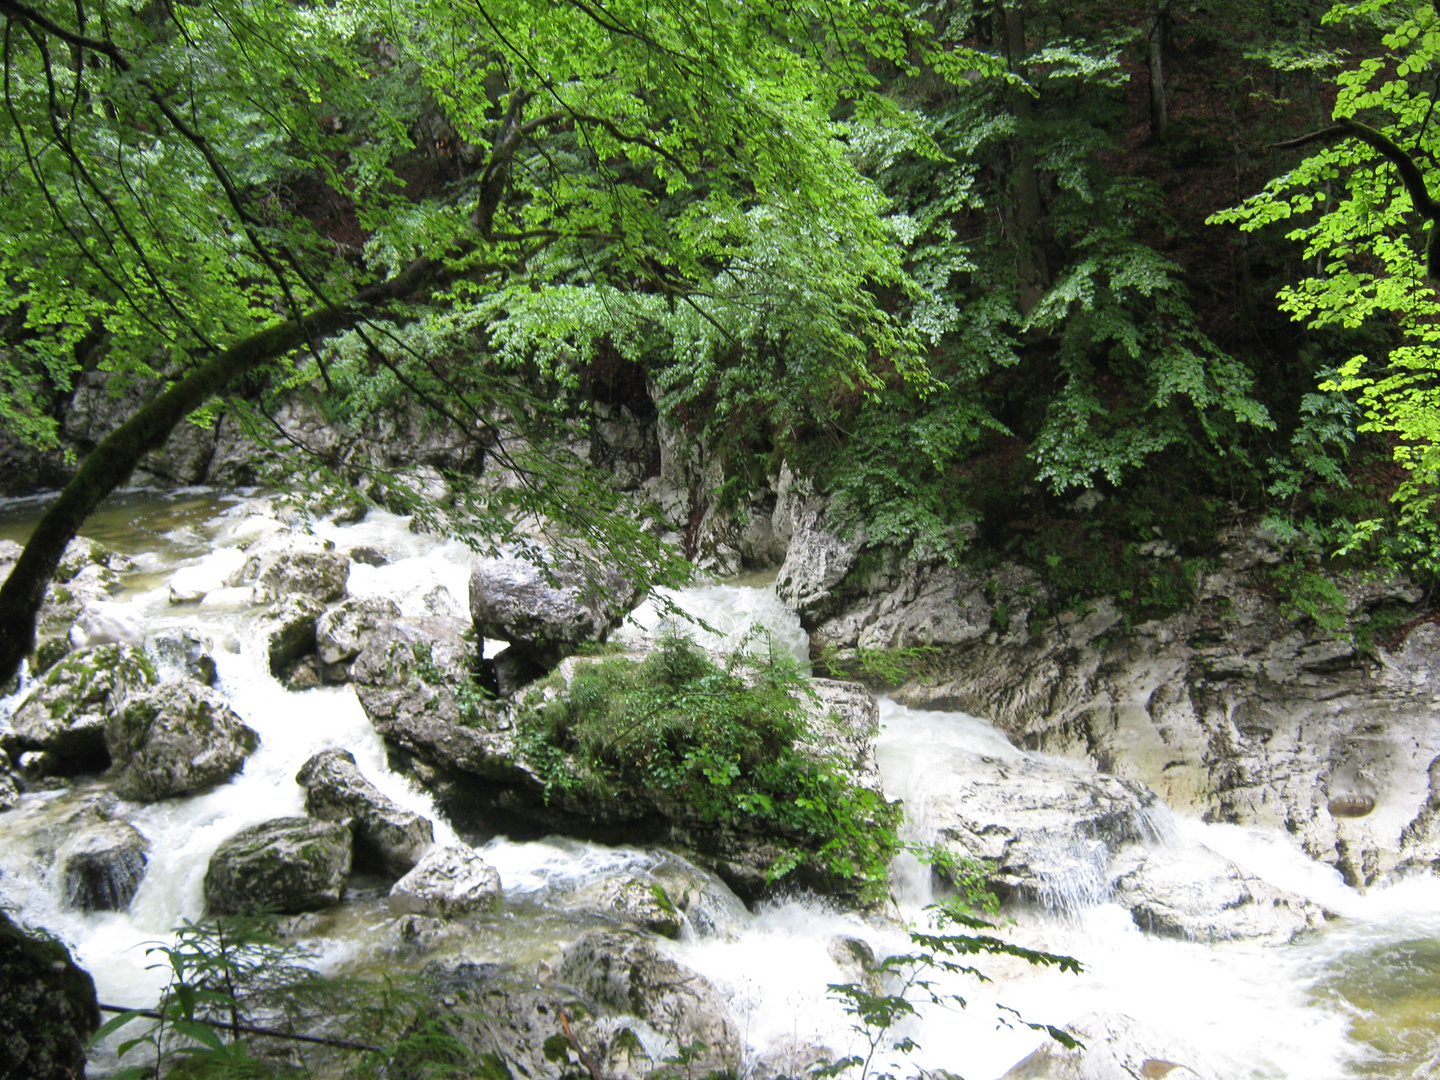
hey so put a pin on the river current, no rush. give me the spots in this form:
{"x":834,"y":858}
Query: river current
{"x":1360,"y":998}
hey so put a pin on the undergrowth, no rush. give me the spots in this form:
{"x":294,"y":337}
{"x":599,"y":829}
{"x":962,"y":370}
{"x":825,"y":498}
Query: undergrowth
{"x":717,"y":744}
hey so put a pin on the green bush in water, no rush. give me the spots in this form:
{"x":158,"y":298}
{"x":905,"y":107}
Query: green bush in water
{"x":719,"y":743}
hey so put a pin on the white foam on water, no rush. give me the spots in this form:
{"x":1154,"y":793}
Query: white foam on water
{"x":736,"y":614}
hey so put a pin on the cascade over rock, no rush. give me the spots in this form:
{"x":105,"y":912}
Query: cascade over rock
{"x":1235,"y":707}
{"x":1113,"y":1047}
{"x":286,"y":865}
{"x":102,"y":865}
{"x":388,"y":838}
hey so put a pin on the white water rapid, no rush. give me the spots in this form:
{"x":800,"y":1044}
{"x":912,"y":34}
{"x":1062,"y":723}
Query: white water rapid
{"x":1360,"y":998}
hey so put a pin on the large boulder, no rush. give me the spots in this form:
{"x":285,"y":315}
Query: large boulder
{"x":548,"y":611}
{"x":287,"y":865}
{"x":176,"y":738}
{"x":320,"y":575}
{"x":103,"y":865}
{"x":343,"y":631}
{"x":450,"y":879}
{"x":47,"y":1007}
{"x":627,"y":973}
{"x":415,"y":680}
{"x":388,"y":838}
{"x":64,"y":718}
{"x":1113,"y":1046}
{"x":1193,"y":894}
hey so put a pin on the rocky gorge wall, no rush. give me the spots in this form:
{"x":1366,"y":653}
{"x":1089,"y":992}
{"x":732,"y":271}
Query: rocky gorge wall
{"x":1240,"y":707}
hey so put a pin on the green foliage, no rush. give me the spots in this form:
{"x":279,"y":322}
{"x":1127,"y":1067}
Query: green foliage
{"x":1305,"y":592}
{"x":714,"y":743}
{"x":880,"y":668}
{"x":900,"y":982}
{"x":1354,"y":218}
{"x":227,"y":976}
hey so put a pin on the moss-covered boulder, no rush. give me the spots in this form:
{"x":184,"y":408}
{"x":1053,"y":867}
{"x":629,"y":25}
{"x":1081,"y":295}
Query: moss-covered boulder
{"x":47,"y":1007}
{"x":287,"y":865}
{"x":174,"y":739}
{"x":63,"y":721}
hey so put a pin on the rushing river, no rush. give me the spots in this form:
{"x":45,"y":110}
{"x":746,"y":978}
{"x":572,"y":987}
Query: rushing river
{"x":1360,"y":998}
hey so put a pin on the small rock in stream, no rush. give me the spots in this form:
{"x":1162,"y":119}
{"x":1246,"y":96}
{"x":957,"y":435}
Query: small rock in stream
{"x":103,"y":866}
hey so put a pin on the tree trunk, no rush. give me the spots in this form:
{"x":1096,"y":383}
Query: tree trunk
{"x":1158,"y":39}
{"x":1030,"y":262}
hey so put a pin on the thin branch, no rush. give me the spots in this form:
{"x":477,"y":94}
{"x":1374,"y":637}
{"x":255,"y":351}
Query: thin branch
{"x":249,"y":1029}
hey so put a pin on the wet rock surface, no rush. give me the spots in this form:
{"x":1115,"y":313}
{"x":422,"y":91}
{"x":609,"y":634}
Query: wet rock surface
{"x":626,"y":973}
{"x":103,"y":865}
{"x":449,"y":880}
{"x":1114,"y":1047}
{"x":174,"y":739}
{"x":288,"y":630}
{"x":286,"y":865}
{"x":1196,"y":895}
{"x":342,"y":633}
{"x":388,"y":838}
{"x":47,"y":1007}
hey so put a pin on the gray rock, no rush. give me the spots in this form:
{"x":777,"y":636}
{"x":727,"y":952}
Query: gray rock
{"x":320,"y":575}
{"x":342,"y":632}
{"x":512,"y":600}
{"x":9,"y":788}
{"x":288,"y":630}
{"x":182,"y":654}
{"x":388,"y":838}
{"x":177,"y":738}
{"x":285,"y":866}
{"x":817,"y":559}
{"x":448,"y":880}
{"x":1114,"y":1047}
{"x":414,"y":680}
{"x":103,"y":865}
{"x":47,"y":1007}
{"x":662,"y":899}
{"x":1195,"y":895}
{"x":65,"y":716}
{"x":628,"y":974}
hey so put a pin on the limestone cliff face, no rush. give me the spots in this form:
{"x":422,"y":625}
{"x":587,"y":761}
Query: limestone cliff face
{"x":1232,"y":708}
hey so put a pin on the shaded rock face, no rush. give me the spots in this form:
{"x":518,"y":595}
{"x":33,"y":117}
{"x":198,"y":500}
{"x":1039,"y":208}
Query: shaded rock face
{"x":512,"y":600}
{"x":1114,"y":1047}
{"x":388,"y":838}
{"x":1233,"y":708}
{"x":47,"y":1007}
{"x":287,"y":865}
{"x":448,"y":880}
{"x":61,"y":725}
{"x":174,"y":739}
{"x":103,"y":865}
{"x":289,"y":630}
{"x":626,"y":973}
